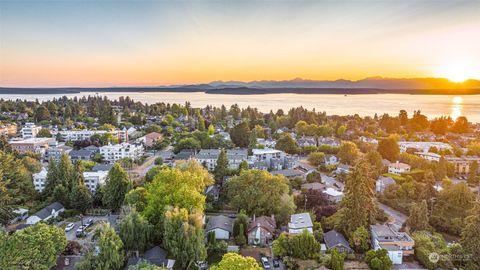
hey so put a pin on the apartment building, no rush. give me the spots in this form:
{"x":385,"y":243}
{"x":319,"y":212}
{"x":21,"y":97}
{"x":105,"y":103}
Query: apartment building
{"x":30,"y":130}
{"x":462,"y":164}
{"x":114,"y":152}
{"x":33,"y":145}
{"x":80,"y":135}
{"x":423,"y":146}
{"x":208,"y":157}
{"x":93,"y":179}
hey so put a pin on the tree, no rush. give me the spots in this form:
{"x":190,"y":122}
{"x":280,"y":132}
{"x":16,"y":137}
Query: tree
{"x":378,"y":259}
{"x":287,"y":144}
{"x":211,"y":130}
{"x":44,"y":133}
{"x":35,"y":247}
{"x":338,"y":259}
{"x":316,"y":158}
{"x":252,"y":141}
{"x":240,"y":239}
{"x":240,"y":134}
{"x":341,"y":131}
{"x":460,"y":125}
{"x":135,"y":232}
{"x":389,"y":149}
{"x":221,"y":169}
{"x":42,"y":113}
{"x":117,"y":185}
{"x":348,"y":153}
{"x":184,"y":236}
{"x":260,"y":193}
{"x":441,"y":169}
{"x":359,"y":201}
{"x":418,"y":219}
{"x":110,"y":256}
{"x":304,"y":246}
{"x":360,"y":240}
{"x":376,"y":164}
{"x":470,"y":236}
{"x":137,"y":197}
{"x":281,"y":245}
{"x":81,"y":198}
{"x":243,"y":166}
{"x":187,"y":143}
{"x":4,"y":145}
{"x":472,"y":173}
{"x":145,"y":265}
{"x":233,"y":261}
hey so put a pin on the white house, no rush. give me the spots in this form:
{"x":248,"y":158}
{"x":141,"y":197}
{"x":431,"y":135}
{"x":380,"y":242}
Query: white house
{"x":333,"y":194}
{"x":398,"y":168}
{"x":300,"y":222}
{"x":30,"y":130}
{"x":398,"y":244}
{"x":331,"y":160}
{"x":113,"y":153}
{"x":383,"y":182}
{"x":221,"y":225}
{"x":51,"y":211}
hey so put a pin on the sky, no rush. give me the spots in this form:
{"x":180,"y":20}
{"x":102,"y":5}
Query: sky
{"x":147,"y":43}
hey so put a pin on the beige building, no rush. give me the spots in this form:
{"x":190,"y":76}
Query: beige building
{"x":34,"y":145}
{"x":462,"y":164}
{"x":8,"y":129}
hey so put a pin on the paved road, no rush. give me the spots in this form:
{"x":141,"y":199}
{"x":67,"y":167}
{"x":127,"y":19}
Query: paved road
{"x":397,"y":217}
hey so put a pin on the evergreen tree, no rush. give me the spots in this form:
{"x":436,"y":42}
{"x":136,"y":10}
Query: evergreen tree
{"x":221,"y":169}
{"x":360,"y":240}
{"x":418,"y":219}
{"x":111,"y":254}
{"x":472,"y":174}
{"x":81,"y":198}
{"x":117,"y":185}
{"x":470,"y":237}
{"x":240,"y":134}
{"x":53,"y":179}
{"x":441,"y":169}
{"x":338,"y":259}
{"x":243,"y":166}
{"x":4,"y":145}
{"x":252,"y":141}
{"x":358,"y":205}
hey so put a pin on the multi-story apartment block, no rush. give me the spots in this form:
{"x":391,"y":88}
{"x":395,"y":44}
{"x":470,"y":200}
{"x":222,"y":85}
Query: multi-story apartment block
{"x":33,"y":145}
{"x":55,"y":151}
{"x":80,"y":135}
{"x":30,"y":130}
{"x":208,"y":157}
{"x":423,"y":146}
{"x":462,"y":164}
{"x":112,"y":153}
{"x":272,"y":159}
{"x":92,"y":179}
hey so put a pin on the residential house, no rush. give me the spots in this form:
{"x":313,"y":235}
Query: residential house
{"x":330,"y":141}
{"x":221,"y":225}
{"x":184,"y":154}
{"x":331,"y":160}
{"x":51,"y":211}
{"x":150,"y":139}
{"x":271,"y":159}
{"x":314,"y":186}
{"x":334,"y":239}
{"x":267,"y":143}
{"x":343,"y":168}
{"x":300,"y":222}
{"x":306,"y":141}
{"x":398,"y":168}
{"x":398,"y":244}
{"x":213,"y":192}
{"x":82,"y":154}
{"x":261,"y":230}
{"x":156,"y":256}
{"x":334,"y":195}
{"x":383,"y":182}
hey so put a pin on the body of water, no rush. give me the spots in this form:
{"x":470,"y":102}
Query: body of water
{"x":363,"y":104}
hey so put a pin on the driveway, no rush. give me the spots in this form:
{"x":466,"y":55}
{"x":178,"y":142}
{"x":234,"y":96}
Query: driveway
{"x":397,"y":217}
{"x":71,"y":234}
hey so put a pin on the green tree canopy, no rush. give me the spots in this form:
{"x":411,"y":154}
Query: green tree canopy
{"x":117,"y":185}
{"x":233,"y":261}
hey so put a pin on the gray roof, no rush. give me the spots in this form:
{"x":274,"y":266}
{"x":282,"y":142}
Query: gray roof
{"x":81,"y":153}
{"x":47,"y":211}
{"x":220,"y":222}
{"x":184,"y":154}
{"x":333,"y":239}
{"x":288,"y":173}
{"x":301,"y":220}
{"x":155,"y":255}
{"x":386,"y":180}
{"x":102,"y":167}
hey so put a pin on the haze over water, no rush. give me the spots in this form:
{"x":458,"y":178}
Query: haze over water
{"x":364,"y":104}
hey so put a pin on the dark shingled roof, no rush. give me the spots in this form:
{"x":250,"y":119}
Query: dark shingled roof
{"x":221,"y":222}
{"x":47,"y":211}
{"x":333,"y":239}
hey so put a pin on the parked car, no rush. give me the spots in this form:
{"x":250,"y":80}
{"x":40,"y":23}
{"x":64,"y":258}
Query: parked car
{"x":80,"y":231}
{"x":265,"y":263}
{"x":276,"y":263}
{"x":89,"y":223}
{"x":69,"y":227}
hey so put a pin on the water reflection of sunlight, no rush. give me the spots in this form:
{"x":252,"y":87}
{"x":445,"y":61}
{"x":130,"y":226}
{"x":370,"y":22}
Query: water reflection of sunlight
{"x":456,"y":107}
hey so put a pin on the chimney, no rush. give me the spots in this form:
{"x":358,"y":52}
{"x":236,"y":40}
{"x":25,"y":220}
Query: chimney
{"x":253,"y":217}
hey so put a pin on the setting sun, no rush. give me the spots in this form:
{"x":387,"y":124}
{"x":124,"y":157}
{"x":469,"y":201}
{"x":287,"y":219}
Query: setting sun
{"x":459,"y":71}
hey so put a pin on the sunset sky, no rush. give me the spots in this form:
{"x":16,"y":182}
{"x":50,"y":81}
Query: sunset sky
{"x":127,"y":43}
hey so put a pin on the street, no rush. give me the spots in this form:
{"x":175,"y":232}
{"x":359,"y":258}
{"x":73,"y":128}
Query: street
{"x":397,"y":217}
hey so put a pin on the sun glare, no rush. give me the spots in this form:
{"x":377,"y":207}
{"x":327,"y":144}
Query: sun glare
{"x":459,"y":72}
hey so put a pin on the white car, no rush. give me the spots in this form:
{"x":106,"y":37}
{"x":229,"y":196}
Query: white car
{"x":265,"y":263}
{"x":69,"y":227}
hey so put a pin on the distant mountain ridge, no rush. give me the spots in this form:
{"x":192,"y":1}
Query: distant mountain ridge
{"x":372,"y":85}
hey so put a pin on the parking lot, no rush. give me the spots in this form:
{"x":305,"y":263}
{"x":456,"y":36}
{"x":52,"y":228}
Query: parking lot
{"x":96,"y":219}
